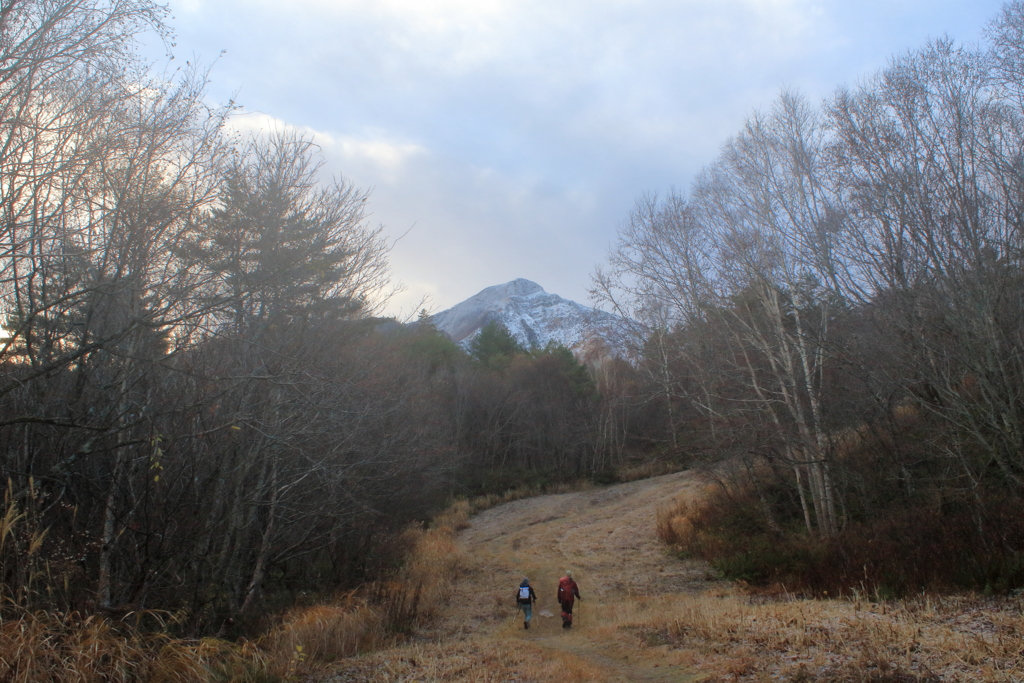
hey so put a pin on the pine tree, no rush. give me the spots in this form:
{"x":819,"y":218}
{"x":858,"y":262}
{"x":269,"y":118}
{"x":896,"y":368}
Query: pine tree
{"x":285,"y":248}
{"x":495,"y":347}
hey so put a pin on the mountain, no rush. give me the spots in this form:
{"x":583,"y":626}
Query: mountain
{"x":535,"y":318}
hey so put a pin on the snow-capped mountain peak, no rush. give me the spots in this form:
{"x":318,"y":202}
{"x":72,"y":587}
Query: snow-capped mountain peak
{"x":533,"y":316}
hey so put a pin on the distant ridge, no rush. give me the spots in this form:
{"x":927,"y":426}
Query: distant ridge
{"x":535,"y":318}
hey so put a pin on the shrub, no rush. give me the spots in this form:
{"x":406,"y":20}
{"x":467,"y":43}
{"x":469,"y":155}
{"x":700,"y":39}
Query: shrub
{"x":942,"y":546}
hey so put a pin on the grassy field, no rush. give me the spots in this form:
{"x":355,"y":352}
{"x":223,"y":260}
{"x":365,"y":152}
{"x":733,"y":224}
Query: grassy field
{"x":647,"y":616}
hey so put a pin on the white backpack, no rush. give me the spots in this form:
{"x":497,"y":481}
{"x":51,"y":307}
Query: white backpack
{"x":524,"y":593}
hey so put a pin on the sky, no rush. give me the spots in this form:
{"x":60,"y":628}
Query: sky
{"x":511,"y":138}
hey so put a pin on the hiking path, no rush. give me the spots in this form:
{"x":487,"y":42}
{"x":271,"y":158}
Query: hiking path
{"x":607,"y":537}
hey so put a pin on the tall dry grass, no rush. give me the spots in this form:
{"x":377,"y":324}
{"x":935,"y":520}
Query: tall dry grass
{"x":54,"y":648}
{"x":377,"y":616}
{"x":646,"y":470}
{"x":72,"y":648}
{"x":855,"y":637}
{"x":677,"y":523}
{"x":462,"y":509}
{"x":57,"y":648}
{"x":733,"y":636}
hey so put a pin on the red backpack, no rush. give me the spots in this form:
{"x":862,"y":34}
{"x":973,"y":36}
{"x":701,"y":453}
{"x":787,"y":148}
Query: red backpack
{"x":566,"y":589}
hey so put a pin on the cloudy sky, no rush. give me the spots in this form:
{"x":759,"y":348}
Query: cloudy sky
{"x":510,"y":138}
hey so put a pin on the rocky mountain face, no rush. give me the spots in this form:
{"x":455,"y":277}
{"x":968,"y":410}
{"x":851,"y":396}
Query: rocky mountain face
{"x":535,"y":318}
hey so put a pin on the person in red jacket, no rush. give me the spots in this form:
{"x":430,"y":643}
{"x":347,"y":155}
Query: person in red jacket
{"x":568,"y":591}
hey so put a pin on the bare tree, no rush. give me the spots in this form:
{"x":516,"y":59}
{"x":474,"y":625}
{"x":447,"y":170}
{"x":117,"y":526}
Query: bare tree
{"x":661,"y":277}
{"x":752,"y":254}
{"x":929,"y":154}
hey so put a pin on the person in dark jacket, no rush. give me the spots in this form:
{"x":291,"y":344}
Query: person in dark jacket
{"x":568,"y":592}
{"x":525,"y":597}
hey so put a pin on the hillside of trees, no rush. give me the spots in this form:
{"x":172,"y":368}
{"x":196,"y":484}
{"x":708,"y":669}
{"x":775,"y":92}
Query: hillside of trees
{"x":838,"y":306}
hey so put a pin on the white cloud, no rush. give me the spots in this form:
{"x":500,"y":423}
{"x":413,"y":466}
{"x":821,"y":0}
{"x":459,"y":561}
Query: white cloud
{"x":375,"y":155}
{"x":385,"y":155}
{"x":514,"y":134}
{"x":258,"y":123}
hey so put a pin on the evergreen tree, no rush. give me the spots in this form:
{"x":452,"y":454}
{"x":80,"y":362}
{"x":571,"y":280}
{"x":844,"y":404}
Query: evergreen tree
{"x":495,"y":347}
{"x":285,"y":247}
{"x":575,"y":373}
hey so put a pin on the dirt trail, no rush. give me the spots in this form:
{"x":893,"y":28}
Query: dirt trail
{"x":647,"y":617}
{"x":607,"y":537}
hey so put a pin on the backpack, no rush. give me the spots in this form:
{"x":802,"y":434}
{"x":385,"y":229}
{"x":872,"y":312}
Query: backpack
{"x":524,"y":593}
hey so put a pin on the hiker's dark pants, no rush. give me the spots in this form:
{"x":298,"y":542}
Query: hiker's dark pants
{"x":527,"y":608}
{"x":567,"y":611}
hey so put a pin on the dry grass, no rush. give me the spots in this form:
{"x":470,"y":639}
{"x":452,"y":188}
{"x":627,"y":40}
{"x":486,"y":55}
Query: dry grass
{"x":54,"y":648}
{"x":772,"y":635}
{"x":456,"y":518}
{"x":324,"y":633}
{"x":737,"y":637}
{"x":383,"y":613}
{"x":57,"y":648}
{"x":647,"y":470}
{"x":725,"y":633}
{"x":474,"y":661}
{"x":675,"y":525}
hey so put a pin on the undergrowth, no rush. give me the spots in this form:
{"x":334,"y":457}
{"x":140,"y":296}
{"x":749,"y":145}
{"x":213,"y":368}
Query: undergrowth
{"x":908,"y":550}
{"x":49,"y":647}
{"x":42,"y":646}
{"x":53,"y":647}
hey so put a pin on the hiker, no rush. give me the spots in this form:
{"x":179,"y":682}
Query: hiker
{"x":568,"y":591}
{"x":525,"y":597}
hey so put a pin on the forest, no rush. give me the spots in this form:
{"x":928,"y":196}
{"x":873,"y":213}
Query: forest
{"x":203,"y":412}
{"x":836,"y":305}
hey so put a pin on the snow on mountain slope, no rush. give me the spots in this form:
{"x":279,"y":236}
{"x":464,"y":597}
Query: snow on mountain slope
{"x":535,"y":318}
